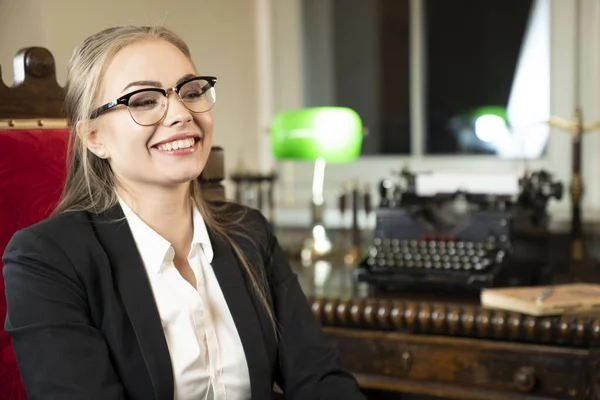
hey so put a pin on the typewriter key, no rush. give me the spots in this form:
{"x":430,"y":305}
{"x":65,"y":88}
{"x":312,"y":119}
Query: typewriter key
{"x":499,"y":256}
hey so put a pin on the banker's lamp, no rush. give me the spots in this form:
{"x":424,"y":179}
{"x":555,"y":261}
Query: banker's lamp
{"x":321,"y":135}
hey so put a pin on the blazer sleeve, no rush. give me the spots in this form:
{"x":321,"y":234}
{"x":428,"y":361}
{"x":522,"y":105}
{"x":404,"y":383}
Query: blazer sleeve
{"x":309,"y":367}
{"x":60,"y":354}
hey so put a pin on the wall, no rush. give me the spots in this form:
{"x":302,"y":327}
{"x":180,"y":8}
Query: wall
{"x":221,"y":35}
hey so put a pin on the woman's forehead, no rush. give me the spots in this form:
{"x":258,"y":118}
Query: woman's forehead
{"x":148,"y":60}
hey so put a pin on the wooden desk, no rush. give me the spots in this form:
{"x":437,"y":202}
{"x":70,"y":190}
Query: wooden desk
{"x":448,"y":346}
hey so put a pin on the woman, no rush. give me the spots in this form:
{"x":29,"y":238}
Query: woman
{"x":138,"y":288}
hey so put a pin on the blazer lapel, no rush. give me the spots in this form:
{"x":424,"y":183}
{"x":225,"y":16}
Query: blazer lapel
{"x":133,"y":284}
{"x":236,"y":292}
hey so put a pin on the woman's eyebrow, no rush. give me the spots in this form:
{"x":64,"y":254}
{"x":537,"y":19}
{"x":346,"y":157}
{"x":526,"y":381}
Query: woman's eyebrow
{"x":155,"y":83}
{"x":142,"y":83}
{"x":185,"y":78}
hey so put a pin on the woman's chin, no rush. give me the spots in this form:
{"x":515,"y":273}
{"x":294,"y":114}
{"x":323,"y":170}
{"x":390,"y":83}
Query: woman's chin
{"x":184,"y":177}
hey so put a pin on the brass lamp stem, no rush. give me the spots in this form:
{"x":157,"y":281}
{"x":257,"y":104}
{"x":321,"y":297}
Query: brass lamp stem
{"x":318,"y":243}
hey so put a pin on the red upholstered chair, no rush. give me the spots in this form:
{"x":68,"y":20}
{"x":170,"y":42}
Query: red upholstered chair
{"x":33,"y":145}
{"x":33,"y":142}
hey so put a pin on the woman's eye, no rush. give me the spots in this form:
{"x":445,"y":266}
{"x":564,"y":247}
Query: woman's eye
{"x":194,"y":92}
{"x":192,"y":95}
{"x":147,"y":102}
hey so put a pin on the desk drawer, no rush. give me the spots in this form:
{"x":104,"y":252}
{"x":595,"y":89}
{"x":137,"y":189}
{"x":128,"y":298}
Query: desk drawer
{"x":464,"y":368}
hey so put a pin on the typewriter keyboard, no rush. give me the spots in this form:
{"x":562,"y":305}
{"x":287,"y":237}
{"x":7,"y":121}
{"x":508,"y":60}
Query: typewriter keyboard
{"x":433,"y":255}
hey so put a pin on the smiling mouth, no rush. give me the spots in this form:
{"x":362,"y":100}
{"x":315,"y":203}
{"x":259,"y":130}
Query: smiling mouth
{"x":178,"y":144}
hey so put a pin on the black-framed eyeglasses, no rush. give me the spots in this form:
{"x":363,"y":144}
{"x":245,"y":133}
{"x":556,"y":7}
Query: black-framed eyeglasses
{"x":149,"y":106}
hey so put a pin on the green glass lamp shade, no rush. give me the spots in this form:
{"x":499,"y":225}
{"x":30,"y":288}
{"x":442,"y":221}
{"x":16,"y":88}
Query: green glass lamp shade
{"x":498,"y":111}
{"x":490,"y":123}
{"x":332,"y":133}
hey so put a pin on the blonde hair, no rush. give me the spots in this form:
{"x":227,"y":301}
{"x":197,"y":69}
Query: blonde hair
{"x":90,"y":184}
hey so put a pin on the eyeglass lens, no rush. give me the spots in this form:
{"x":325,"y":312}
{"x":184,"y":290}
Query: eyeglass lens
{"x":147,"y":108}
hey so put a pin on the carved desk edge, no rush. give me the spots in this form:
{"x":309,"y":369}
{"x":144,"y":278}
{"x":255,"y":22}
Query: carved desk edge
{"x":469,"y":321}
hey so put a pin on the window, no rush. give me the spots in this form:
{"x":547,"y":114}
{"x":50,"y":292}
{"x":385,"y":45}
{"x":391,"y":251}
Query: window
{"x":479,"y":80}
{"x":487,"y":77}
{"x":357,"y":55}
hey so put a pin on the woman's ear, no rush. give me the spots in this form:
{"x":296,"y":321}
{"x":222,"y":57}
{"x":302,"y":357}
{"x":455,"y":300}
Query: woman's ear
{"x":89,"y":136}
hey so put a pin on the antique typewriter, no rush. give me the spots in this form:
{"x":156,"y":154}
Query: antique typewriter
{"x":429,"y":234}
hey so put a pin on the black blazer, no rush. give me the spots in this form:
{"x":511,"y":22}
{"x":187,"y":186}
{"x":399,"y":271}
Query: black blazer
{"x":84,"y":324}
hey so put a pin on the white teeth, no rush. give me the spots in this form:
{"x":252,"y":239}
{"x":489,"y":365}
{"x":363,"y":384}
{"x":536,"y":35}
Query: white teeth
{"x":177,"y":144}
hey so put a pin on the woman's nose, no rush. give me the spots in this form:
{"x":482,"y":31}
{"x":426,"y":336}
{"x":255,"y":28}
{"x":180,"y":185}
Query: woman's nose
{"x":177,"y":112}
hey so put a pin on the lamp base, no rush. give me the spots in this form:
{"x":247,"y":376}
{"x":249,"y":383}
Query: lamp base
{"x":317,"y":245}
{"x":352,"y":257}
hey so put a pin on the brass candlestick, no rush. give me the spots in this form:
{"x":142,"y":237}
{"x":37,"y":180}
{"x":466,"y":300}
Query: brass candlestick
{"x":359,"y":199}
{"x":576,"y":128}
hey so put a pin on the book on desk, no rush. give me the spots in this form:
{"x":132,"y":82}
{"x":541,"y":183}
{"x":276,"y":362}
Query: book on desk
{"x":574,"y":298}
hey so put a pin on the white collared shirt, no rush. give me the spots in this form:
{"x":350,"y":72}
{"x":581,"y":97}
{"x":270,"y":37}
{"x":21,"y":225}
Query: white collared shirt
{"x":206,"y":351}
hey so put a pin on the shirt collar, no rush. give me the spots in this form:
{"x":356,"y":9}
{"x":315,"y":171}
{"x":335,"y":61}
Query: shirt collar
{"x":201,"y":234}
{"x":153,"y":248}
